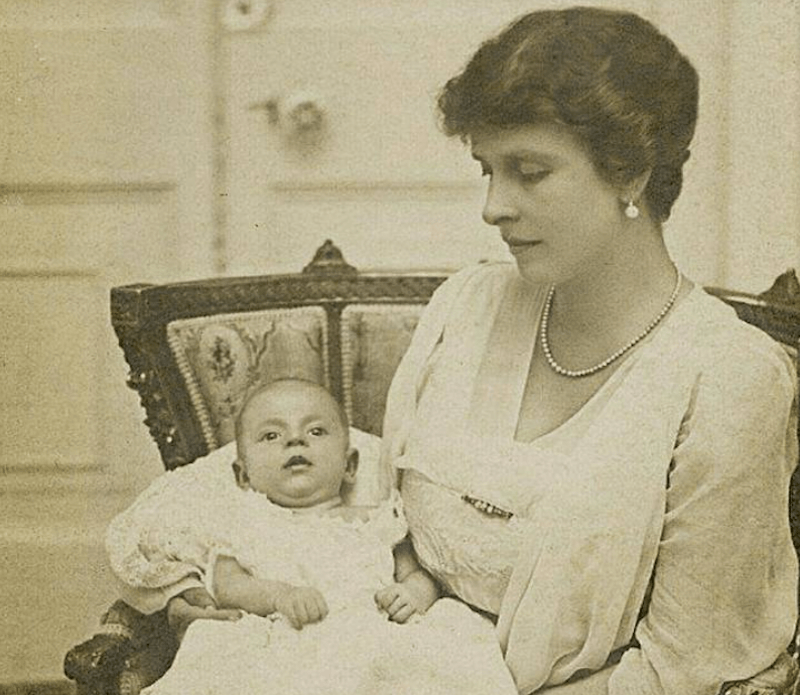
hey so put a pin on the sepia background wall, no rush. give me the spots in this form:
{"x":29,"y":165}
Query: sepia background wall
{"x":150,"y":140}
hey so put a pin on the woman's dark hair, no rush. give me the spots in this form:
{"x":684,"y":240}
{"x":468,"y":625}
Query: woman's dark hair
{"x":621,"y":85}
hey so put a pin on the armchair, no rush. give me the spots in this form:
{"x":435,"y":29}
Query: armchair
{"x":193,"y":348}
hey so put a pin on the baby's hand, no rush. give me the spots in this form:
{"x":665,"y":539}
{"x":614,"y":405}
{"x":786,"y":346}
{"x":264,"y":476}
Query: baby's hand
{"x":198,"y":596}
{"x":193,"y":604}
{"x":400,"y":602}
{"x":302,"y":605}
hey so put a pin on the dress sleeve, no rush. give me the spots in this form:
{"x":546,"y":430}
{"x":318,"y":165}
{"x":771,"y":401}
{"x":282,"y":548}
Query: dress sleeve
{"x":401,"y":402}
{"x":155,"y":546}
{"x":388,"y":521}
{"x":724,"y":588}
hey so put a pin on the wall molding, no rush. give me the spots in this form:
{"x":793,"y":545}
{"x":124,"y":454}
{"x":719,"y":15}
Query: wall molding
{"x":345,"y":191}
{"x":64,"y":687}
{"x":85,"y":480}
{"x":52,"y":15}
{"x":84,"y":193}
{"x":44,"y":270}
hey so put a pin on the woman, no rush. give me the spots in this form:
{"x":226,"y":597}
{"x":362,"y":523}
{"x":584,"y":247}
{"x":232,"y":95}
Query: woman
{"x":639,"y":429}
{"x":592,"y":450}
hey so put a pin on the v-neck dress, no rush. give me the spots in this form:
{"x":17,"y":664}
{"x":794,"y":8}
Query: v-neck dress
{"x":671,"y":479}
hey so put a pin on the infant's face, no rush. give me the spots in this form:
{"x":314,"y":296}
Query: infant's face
{"x":293,"y":445}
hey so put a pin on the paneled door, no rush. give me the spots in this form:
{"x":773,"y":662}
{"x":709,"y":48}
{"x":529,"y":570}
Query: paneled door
{"x":331,"y":118}
{"x":333,"y":134}
{"x":105,"y":178}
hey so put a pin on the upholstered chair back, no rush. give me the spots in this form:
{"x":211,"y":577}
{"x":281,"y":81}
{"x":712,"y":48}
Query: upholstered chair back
{"x":195,"y":349}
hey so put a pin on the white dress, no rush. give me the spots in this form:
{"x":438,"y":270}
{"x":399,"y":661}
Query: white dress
{"x":355,"y":649}
{"x":672,"y":478}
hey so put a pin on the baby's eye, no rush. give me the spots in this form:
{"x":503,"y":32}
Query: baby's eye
{"x":269,"y":436}
{"x":317,"y":431}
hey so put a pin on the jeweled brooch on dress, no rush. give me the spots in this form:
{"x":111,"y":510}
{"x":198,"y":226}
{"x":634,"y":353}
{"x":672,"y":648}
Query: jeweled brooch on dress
{"x":487,"y":507}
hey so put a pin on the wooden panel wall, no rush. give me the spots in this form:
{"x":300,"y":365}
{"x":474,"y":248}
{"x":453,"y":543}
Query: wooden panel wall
{"x":106,"y":174}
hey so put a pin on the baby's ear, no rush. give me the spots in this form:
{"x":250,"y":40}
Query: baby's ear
{"x":241,"y":475}
{"x":351,"y":467}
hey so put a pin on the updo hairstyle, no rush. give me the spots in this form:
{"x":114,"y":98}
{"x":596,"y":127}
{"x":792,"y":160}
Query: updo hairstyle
{"x":620,"y":84}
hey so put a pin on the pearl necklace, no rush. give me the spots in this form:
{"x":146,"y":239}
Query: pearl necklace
{"x":556,"y":367}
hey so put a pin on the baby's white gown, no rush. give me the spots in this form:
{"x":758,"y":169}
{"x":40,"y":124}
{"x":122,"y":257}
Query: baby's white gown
{"x":355,"y":650}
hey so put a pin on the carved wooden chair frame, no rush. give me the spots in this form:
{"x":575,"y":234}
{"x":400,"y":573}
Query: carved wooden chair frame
{"x":141,"y":313}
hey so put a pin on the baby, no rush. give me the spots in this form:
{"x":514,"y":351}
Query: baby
{"x":315,"y":580}
{"x":293,"y":447}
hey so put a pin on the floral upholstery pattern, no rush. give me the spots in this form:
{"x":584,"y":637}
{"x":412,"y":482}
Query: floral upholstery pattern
{"x":221,"y":357}
{"x":374,"y":339}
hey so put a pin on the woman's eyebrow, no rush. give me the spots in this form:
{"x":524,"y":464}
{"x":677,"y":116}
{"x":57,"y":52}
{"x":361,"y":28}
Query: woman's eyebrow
{"x":517,"y":156}
{"x":532,"y":156}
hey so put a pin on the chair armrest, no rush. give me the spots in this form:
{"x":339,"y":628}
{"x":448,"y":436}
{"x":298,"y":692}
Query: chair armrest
{"x":131,"y":651}
{"x":100,"y":658}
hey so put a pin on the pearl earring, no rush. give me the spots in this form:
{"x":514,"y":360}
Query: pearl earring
{"x":631,"y":210}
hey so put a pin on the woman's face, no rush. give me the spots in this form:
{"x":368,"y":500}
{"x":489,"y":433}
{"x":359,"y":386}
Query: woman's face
{"x":559,"y":218}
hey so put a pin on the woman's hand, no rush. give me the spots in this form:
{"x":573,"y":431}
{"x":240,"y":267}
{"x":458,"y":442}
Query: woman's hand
{"x":301,"y":605}
{"x":186,"y":607}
